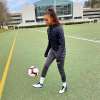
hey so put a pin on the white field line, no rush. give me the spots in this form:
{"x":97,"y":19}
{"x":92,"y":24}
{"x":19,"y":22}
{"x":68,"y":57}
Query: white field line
{"x":78,"y":38}
{"x":84,"y":39}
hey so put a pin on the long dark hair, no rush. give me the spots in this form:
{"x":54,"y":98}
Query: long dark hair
{"x":51,"y":12}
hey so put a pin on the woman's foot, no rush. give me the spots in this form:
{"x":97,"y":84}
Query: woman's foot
{"x":38,"y":85}
{"x":63,"y":89}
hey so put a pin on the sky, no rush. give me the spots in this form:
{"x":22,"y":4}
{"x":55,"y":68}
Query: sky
{"x":15,"y":5}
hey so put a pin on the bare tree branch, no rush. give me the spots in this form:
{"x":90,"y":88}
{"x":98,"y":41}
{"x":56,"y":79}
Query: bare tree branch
{"x":3,"y":12}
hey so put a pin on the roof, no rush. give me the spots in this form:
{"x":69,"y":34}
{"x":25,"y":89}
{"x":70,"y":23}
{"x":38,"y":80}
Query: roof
{"x":51,"y":2}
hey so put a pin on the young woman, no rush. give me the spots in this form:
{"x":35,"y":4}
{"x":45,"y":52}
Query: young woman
{"x":55,"y":50}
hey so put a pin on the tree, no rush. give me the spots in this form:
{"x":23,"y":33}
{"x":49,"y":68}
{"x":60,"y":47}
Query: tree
{"x":3,"y":14}
{"x":92,"y":3}
{"x":87,"y":4}
{"x":96,"y":4}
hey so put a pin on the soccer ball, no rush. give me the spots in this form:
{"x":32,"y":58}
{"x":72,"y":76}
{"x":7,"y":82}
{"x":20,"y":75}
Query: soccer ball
{"x":33,"y":71}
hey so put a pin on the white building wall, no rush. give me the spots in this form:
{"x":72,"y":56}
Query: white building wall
{"x":77,"y":9}
{"x":28,"y":13}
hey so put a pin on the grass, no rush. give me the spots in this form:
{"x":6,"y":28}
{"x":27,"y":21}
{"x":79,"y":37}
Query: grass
{"x":82,"y":64}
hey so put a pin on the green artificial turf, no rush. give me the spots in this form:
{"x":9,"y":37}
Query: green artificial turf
{"x":82,"y":64}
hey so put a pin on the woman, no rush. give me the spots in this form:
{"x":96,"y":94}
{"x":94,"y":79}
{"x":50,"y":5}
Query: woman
{"x":55,"y":50}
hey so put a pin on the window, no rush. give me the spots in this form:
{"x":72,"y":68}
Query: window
{"x":40,"y":10}
{"x":29,"y":21}
{"x":80,"y":17}
{"x":64,"y":9}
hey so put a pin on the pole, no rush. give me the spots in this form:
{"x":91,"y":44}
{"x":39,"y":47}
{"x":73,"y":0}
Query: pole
{"x":55,"y":5}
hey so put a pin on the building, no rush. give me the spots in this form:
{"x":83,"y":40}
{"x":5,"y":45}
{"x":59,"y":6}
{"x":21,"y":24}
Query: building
{"x":15,"y":19}
{"x":28,"y":14}
{"x":77,"y":10}
{"x":63,"y":8}
{"x":91,"y":13}
{"x":26,"y":17}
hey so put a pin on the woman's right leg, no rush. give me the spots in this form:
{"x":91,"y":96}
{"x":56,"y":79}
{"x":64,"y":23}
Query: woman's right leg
{"x":50,"y":58}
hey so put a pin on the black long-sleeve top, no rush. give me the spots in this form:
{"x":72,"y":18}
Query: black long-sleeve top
{"x":56,"y":39}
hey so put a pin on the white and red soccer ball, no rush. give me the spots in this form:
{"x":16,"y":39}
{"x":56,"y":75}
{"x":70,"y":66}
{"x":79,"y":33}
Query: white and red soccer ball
{"x":33,"y":71}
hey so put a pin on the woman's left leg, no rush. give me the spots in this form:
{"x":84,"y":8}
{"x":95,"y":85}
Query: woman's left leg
{"x":60,"y":64}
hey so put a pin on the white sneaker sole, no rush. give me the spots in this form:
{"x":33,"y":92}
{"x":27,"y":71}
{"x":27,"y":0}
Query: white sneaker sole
{"x":37,"y":86}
